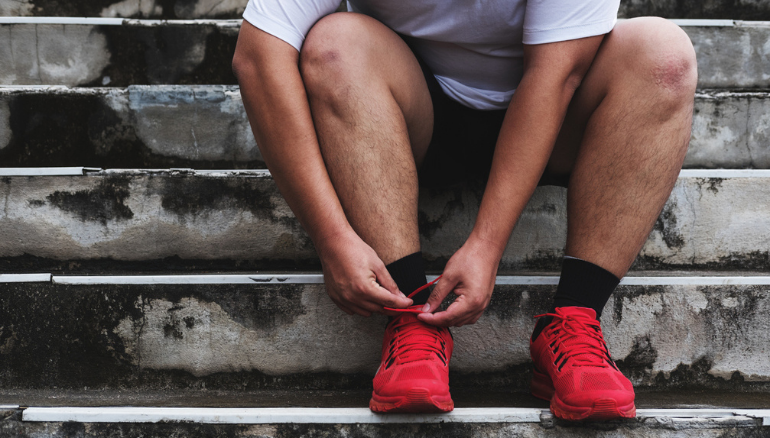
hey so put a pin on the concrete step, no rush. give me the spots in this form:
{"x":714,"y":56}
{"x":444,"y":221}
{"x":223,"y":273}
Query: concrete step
{"x":712,"y":9}
{"x":206,"y":127}
{"x":117,"y":52}
{"x":173,"y":9}
{"x":262,"y":422}
{"x":277,"y":331}
{"x":177,"y":219}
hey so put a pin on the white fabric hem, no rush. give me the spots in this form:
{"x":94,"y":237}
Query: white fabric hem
{"x":569,"y":33}
{"x":274,"y":28}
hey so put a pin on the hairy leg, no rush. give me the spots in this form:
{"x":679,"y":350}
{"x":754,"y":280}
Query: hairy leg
{"x":374,"y":118}
{"x":624,"y":140}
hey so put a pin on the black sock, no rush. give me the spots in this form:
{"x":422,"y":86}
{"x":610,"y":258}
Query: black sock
{"x":582,"y":284}
{"x":409,"y":274}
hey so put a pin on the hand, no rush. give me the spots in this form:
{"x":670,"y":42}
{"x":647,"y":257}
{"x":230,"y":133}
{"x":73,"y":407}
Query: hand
{"x":356,"y":279}
{"x":470,"y":273}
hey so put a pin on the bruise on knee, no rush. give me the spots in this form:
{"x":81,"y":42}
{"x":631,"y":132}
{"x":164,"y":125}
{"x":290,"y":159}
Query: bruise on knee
{"x":674,"y":72}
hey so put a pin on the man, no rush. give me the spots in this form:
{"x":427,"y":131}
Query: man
{"x":354,"y":111}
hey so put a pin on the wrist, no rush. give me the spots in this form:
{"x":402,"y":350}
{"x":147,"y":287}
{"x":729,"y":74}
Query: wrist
{"x":492,"y":248}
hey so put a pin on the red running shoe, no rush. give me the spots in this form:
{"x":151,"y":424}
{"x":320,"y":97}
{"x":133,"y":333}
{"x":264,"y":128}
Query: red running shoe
{"x":414,"y":372}
{"x":574,"y":370}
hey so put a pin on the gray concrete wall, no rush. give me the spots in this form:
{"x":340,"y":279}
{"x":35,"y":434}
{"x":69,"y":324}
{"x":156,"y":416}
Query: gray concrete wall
{"x":149,"y":53}
{"x":709,"y":223}
{"x":230,"y":336}
{"x":206,"y":127}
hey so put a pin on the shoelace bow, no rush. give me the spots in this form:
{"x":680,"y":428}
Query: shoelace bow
{"x":581,"y":338}
{"x":414,"y":341}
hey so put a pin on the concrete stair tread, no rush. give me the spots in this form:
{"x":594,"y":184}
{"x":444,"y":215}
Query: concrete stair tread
{"x":200,"y":51}
{"x":145,"y":220}
{"x":205,"y":127}
{"x":234,"y":336}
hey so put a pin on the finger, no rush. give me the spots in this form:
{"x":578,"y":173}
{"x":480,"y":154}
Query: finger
{"x":440,"y":291}
{"x":385,"y":280}
{"x":383,"y":298}
{"x":454,"y":314}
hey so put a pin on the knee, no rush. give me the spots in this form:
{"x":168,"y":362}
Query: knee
{"x":661,"y":54}
{"x":330,"y":55}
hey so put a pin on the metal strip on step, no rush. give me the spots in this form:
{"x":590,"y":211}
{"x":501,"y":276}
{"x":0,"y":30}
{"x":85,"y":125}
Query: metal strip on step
{"x":45,"y":171}
{"x":100,"y":21}
{"x":274,"y":415}
{"x":9,"y":406}
{"x":725,"y":173}
{"x":339,"y":415}
{"x":25,"y":278}
{"x":190,"y":279}
{"x":278,"y":278}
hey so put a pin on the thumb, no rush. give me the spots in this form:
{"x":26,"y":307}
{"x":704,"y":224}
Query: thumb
{"x":385,"y":280}
{"x":440,"y":291}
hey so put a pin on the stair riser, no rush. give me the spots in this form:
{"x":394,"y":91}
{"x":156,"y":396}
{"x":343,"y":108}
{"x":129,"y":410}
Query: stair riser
{"x":231,"y":221}
{"x":151,"y":53}
{"x":232,"y":336}
{"x":206,"y":127}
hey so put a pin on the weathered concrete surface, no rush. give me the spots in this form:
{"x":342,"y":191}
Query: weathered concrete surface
{"x":141,"y":127}
{"x":206,"y":127}
{"x":230,"y":336}
{"x":173,"y":9}
{"x":140,"y":52}
{"x":142,"y":216}
{"x":641,"y":427}
{"x":730,"y":130}
{"x":118,"y":55}
{"x":712,"y":9}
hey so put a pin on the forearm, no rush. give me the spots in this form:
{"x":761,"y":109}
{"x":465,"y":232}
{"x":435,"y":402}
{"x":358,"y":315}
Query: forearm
{"x":528,"y":135}
{"x":275,"y":101}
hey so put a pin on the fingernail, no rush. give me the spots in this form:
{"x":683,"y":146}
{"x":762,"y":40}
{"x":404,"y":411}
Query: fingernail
{"x":402,"y":294}
{"x":426,"y":308}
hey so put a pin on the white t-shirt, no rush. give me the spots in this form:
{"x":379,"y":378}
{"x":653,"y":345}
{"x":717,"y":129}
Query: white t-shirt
{"x":474,"y":47}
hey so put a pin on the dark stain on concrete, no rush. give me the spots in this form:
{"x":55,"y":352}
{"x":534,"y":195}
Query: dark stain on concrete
{"x":105,"y":202}
{"x":625,"y":294}
{"x":36,"y":203}
{"x":638,"y":364}
{"x":666,"y":225}
{"x":711,"y":184}
{"x":215,"y":67}
{"x":750,"y":261}
{"x":721,"y":9}
{"x":508,"y":302}
{"x":453,"y":208}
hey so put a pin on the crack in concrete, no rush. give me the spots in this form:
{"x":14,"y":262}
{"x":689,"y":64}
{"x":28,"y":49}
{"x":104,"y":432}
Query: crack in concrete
{"x":214,"y":7}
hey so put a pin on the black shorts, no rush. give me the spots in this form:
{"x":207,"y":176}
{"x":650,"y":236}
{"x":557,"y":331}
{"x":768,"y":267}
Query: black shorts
{"x":463,"y":142}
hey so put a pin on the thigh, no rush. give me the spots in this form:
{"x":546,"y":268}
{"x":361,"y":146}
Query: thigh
{"x":627,"y":54}
{"x":356,"y":53}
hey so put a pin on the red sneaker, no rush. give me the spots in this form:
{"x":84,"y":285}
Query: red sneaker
{"x":414,"y":373}
{"x":574,"y":370}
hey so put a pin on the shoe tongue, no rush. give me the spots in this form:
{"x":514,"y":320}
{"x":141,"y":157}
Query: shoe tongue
{"x":564,"y":311}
